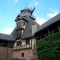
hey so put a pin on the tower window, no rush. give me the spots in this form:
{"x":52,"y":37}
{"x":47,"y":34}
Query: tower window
{"x":22,"y":54}
{"x":23,"y":23}
{"x":18,"y":43}
{"x":27,"y":41}
{"x":22,"y":31}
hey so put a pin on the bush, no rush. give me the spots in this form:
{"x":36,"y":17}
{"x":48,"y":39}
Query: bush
{"x":48,"y":48}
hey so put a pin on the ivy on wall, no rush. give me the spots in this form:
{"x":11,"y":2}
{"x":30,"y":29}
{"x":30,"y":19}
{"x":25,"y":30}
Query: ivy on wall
{"x":48,"y":48}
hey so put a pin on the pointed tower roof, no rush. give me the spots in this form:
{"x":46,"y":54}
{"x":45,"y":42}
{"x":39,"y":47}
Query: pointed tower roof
{"x":25,"y":12}
{"x":26,"y":15}
{"x":26,"y":9}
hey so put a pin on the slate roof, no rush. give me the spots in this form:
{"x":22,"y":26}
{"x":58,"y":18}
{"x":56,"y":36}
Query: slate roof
{"x":6,"y":37}
{"x":28,"y":29}
{"x":28,"y":9}
{"x":49,"y":22}
{"x":14,"y":33}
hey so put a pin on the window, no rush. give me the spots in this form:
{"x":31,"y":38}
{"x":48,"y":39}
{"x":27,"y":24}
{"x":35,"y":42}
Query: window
{"x":23,"y":23}
{"x":22,"y":31}
{"x":27,"y":41}
{"x":22,"y":54}
{"x":3,"y":44}
{"x":18,"y":43}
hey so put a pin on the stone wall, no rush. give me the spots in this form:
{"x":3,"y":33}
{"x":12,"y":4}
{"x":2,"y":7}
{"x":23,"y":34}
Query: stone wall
{"x":5,"y":53}
{"x":28,"y":54}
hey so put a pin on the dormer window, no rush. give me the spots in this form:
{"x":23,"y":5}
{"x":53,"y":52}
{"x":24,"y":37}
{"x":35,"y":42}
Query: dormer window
{"x":18,"y":43}
{"x":23,"y":23}
{"x":22,"y":31}
{"x":27,"y":41}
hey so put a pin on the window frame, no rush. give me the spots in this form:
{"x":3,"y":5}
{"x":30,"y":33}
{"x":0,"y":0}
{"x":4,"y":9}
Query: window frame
{"x":22,"y":54}
{"x":27,"y":41}
{"x":18,"y":43}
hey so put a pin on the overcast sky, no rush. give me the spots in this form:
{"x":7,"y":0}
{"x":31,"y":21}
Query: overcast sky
{"x":45,"y":9}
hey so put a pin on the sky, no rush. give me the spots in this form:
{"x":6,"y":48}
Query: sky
{"x":9,"y":9}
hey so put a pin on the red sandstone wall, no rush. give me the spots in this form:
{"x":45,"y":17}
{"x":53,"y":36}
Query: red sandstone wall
{"x":10,"y":53}
{"x":5,"y":53}
{"x":28,"y":54}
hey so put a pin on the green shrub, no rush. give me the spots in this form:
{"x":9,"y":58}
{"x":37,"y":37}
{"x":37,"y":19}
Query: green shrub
{"x":48,"y":48}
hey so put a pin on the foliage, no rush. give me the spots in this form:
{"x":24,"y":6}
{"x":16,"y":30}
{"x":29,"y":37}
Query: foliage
{"x":48,"y":48}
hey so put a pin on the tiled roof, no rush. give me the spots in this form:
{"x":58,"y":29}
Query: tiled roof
{"x":28,"y":29}
{"x":6,"y":37}
{"x":49,"y":22}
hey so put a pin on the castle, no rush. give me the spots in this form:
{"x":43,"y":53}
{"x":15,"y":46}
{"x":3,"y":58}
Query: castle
{"x":21,"y":43}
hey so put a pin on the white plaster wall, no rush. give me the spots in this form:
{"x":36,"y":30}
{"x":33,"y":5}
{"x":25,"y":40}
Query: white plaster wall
{"x":33,"y":42}
{"x":24,"y":43}
{"x":34,"y":28}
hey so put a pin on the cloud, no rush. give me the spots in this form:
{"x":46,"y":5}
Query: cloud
{"x":52,"y":14}
{"x":40,"y":20}
{"x":16,"y":1}
{"x":36,"y":3}
{"x":7,"y":31}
